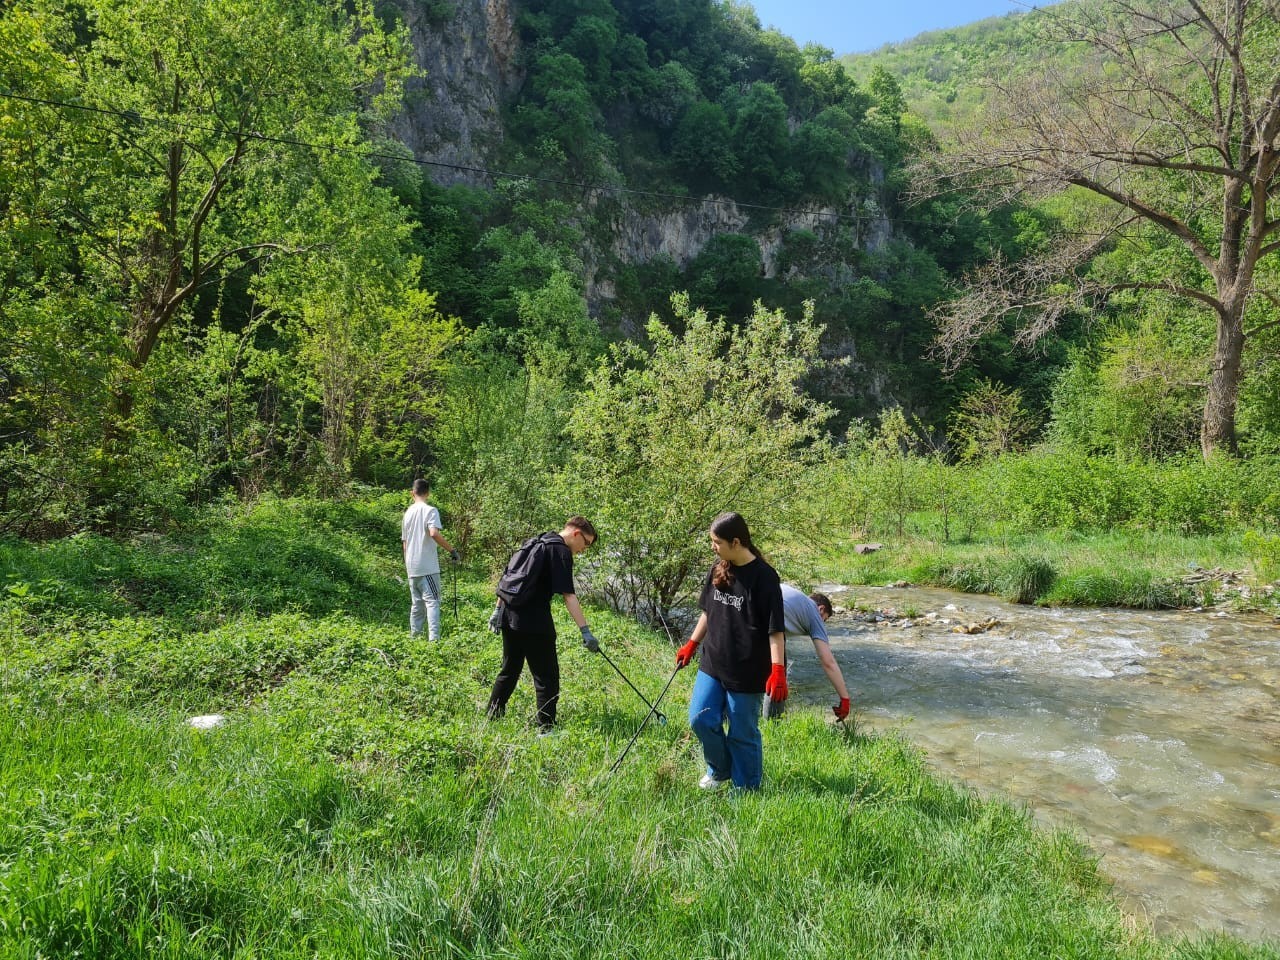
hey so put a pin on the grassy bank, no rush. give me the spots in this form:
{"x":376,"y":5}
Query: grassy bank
{"x":1124,"y":568}
{"x":355,"y":804}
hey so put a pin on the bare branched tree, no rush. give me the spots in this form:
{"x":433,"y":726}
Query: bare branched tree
{"x":1174,"y":121}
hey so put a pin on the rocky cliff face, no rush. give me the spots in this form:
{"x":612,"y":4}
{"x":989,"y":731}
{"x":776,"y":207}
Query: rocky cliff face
{"x":468,"y":51}
{"x":681,"y":232}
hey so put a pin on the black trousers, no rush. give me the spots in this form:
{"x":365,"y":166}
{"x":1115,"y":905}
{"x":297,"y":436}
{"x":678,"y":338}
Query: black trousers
{"x":539,"y":649}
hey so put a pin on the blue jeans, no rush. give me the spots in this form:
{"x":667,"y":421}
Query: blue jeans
{"x":739,"y":754}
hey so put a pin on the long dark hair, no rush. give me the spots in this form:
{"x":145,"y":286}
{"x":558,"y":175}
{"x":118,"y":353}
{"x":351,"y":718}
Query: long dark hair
{"x":729,"y":527}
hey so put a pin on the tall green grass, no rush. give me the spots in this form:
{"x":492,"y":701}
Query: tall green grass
{"x":1122,"y":568}
{"x":1052,"y":525}
{"x":356,"y":804}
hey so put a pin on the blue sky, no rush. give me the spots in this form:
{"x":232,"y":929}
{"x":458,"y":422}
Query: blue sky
{"x":852,"y":26}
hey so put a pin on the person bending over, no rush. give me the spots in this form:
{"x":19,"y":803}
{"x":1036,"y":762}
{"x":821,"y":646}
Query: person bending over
{"x":541,"y":568}
{"x":806,"y":616}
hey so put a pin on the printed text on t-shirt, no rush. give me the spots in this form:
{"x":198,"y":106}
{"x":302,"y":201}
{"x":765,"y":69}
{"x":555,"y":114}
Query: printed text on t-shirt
{"x":726,"y":598}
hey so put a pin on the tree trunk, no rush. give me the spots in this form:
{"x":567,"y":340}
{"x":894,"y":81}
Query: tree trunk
{"x":1218,"y":428}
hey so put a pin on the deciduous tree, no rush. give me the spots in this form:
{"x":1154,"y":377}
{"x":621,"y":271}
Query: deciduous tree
{"x":669,"y":435}
{"x":152,"y":150}
{"x":1174,"y":121}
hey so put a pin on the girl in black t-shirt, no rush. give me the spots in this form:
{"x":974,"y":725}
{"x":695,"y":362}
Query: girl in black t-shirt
{"x":742,"y":660}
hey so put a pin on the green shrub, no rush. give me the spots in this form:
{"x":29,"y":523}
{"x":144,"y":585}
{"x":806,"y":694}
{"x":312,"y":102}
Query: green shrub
{"x":1264,"y":551}
{"x":670,"y":435}
{"x":1025,"y":579}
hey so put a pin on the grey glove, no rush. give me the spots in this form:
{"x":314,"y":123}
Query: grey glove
{"x":495,"y":619}
{"x":589,"y":639}
{"x":455,"y":556}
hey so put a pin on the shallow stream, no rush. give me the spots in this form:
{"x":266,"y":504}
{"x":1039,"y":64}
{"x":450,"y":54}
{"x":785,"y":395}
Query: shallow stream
{"x":1155,"y":736}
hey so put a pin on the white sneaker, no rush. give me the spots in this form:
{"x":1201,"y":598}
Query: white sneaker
{"x":708,"y":782}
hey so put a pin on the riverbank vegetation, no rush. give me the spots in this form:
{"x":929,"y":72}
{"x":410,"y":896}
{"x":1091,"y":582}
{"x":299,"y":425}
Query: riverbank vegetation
{"x":354,"y":803}
{"x":1056,"y":525}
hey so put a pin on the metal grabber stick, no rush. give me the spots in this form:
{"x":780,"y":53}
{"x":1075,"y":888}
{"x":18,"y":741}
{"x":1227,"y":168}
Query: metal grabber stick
{"x":662,"y":717}
{"x":644,"y":723}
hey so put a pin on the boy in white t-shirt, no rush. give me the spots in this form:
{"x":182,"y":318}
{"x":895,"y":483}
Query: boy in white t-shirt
{"x":419,"y":534}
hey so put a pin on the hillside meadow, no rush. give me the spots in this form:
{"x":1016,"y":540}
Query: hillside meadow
{"x":356,"y":804}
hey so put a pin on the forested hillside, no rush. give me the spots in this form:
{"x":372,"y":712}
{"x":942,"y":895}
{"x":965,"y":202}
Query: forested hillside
{"x":224,"y":272}
{"x":1112,"y":122}
{"x":680,"y":147}
{"x":262,"y":246}
{"x":942,"y":72}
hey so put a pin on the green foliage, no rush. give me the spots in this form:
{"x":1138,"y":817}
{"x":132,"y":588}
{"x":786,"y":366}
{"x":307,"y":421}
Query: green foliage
{"x":355,"y":804}
{"x":1110,"y":587}
{"x":891,"y":475}
{"x":182,"y":180}
{"x":668,"y":436}
{"x":939,"y":73}
{"x":989,"y":421}
{"x":559,"y":118}
{"x":1072,"y":490}
{"x":1017,"y":577}
{"x":701,"y":85}
{"x":1264,"y":551}
{"x":702,"y":145}
{"x":724,"y":276}
{"x":496,"y":445}
{"x":1137,"y":392}
{"x":760,"y":139}
{"x":892,"y":484}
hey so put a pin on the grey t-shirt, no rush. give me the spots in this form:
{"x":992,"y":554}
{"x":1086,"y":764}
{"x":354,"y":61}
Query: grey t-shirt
{"x":800,"y":615}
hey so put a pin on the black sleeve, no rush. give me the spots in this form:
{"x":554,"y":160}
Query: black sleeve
{"x":705,"y":597}
{"x":560,"y":568}
{"x":777,"y":623}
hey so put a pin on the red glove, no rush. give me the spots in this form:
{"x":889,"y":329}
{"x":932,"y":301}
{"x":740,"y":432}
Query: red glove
{"x":841,"y":709}
{"x":685,"y":653}
{"x":776,"y":686}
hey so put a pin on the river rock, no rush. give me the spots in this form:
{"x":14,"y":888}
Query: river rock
{"x":978,"y":627}
{"x":1156,"y":846}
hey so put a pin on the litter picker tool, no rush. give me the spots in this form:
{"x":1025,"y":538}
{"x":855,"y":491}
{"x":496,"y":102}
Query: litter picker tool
{"x":662,"y":717}
{"x":645,"y":722}
{"x":455,"y":594}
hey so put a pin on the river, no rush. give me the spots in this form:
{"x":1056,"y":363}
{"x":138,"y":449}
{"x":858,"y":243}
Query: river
{"x":1155,"y":736}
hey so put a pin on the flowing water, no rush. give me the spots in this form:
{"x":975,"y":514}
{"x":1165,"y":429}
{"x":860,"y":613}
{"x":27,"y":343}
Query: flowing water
{"x":1155,"y":736}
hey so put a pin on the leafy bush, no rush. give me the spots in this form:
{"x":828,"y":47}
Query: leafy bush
{"x":498,"y":442}
{"x":1065,"y":488}
{"x":667,"y":437}
{"x":1025,"y":579}
{"x":891,"y":475}
{"x":1264,"y":550}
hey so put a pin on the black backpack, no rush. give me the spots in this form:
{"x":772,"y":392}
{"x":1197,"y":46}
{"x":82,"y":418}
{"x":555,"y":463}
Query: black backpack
{"x":519,"y":582}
